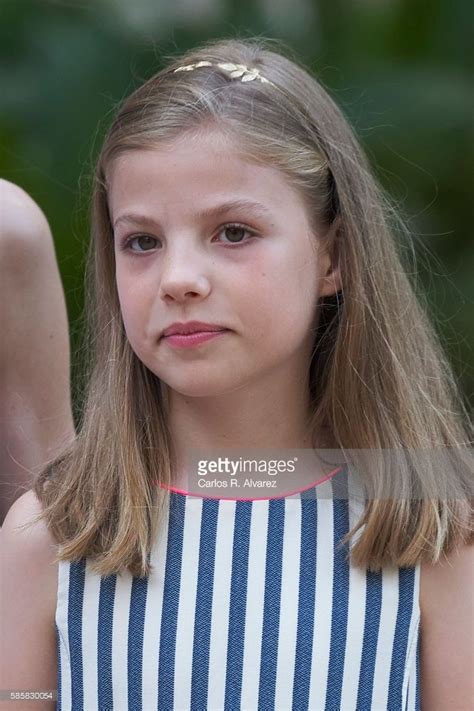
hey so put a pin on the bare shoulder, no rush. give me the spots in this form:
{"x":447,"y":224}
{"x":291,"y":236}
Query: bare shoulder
{"x":447,"y":631}
{"x":447,"y":580}
{"x":452,"y":569}
{"x":28,"y":602}
{"x":33,"y":547}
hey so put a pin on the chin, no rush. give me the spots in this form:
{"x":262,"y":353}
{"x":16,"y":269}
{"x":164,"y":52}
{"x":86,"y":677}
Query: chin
{"x":201,"y":386}
{"x":197,"y":391}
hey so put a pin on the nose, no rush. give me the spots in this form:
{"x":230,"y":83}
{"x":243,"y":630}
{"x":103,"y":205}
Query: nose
{"x":183,"y":277}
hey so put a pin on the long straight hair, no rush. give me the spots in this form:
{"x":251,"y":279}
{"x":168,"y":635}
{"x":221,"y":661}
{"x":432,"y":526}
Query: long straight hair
{"x":378,"y":375}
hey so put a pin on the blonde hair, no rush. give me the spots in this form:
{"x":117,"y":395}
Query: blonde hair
{"x":99,"y":496}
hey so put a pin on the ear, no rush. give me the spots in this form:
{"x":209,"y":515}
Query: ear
{"x":330,"y":281}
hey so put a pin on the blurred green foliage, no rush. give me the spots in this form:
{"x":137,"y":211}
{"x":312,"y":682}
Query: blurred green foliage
{"x":399,"y":69}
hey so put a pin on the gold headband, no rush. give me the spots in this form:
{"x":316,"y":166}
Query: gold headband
{"x":235,"y":71}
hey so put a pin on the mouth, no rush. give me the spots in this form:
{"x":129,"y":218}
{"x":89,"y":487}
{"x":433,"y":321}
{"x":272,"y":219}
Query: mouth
{"x":186,"y":340}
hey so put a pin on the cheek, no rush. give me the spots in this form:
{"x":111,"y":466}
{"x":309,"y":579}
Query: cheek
{"x":135,"y":305}
{"x":282,"y":292}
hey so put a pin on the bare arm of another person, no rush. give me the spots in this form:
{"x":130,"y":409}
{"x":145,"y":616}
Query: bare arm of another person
{"x":35,"y":398}
{"x":28,"y":607}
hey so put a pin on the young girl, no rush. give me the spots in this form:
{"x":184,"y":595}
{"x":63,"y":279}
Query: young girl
{"x":231,"y":196}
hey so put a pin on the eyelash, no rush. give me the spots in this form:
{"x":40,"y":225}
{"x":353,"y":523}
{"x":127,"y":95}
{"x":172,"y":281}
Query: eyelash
{"x":125,"y":245}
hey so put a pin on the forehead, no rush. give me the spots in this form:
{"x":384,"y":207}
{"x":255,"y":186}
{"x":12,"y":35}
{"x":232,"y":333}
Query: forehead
{"x":195,"y":170}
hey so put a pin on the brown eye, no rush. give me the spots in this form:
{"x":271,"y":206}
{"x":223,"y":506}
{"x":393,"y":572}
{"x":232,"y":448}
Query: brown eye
{"x":234,"y":232}
{"x":144,"y":241}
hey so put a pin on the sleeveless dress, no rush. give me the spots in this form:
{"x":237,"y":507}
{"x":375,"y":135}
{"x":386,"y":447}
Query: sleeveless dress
{"x":252,"y":606}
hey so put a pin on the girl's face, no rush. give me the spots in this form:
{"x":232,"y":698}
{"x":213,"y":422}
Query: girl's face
{"x":254,"y":270}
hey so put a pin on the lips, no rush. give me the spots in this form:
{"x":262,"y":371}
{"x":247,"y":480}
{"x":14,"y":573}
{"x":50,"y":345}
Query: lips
{"x":194,"y":333}
{"x":193,"y":340}
{"x":184,"y":329}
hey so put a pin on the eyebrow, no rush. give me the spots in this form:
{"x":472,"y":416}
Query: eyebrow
{"x":256,"y":207}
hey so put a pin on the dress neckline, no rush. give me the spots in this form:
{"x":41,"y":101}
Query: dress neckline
{"x":294,"y":492}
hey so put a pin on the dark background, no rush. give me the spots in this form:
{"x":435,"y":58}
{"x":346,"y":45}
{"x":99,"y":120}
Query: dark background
{"x":399,"y":69}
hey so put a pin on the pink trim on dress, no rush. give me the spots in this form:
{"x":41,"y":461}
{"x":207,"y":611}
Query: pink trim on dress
{"x":264,"y":498}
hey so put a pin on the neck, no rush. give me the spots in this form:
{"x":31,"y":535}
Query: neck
{"x":258,"y":415}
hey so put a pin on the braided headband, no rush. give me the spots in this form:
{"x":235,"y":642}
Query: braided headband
{"x":235,"y":71}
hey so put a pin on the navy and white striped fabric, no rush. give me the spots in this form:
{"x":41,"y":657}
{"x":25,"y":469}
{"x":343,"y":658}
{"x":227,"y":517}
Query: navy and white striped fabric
{"x":251,"y":605}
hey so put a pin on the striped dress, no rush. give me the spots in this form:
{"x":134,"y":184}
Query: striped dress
{"x":251,"y":605}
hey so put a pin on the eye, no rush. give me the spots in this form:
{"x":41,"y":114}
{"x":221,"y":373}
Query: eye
{"x":233,"y":228}
{"x":236,"y":228}
{"x":127,"y":242}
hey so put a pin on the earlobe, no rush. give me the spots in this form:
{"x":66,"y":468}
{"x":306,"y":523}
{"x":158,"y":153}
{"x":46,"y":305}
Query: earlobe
{"x":331,"y":283}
